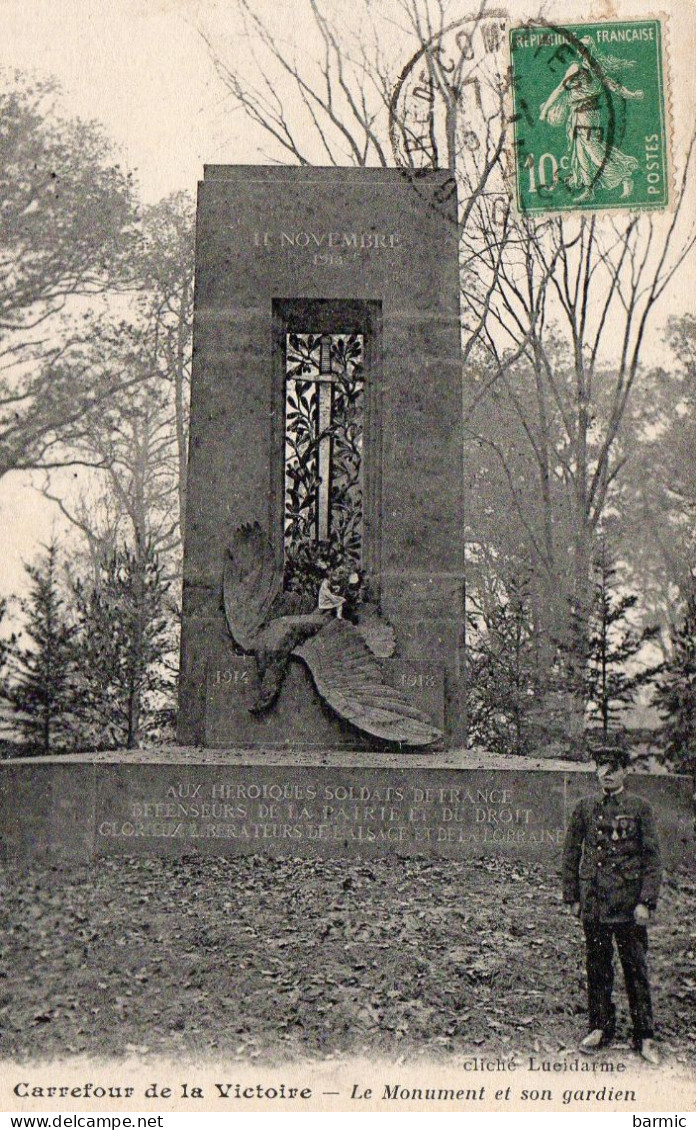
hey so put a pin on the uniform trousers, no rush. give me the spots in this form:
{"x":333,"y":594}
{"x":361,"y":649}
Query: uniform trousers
{"x":632,"y":944}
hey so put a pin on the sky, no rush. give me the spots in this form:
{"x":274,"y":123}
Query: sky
{"x":141,"y":68}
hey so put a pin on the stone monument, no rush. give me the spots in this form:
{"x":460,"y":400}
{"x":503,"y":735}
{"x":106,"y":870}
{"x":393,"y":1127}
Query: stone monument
{"x":326,"y":416}
{"x":323,"y":616}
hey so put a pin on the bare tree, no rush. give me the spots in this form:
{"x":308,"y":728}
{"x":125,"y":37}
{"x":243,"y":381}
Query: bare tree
{"x":332,"y":109}
{"x":67,"y":220}
{"x":658,"y":529}
{"x":556,"y":310}
{"x":135,"y":444}
{"x":355,"y":105}
{"x":582,"y":306}
{"x":131,"y":445}
{"x":164,"y":270}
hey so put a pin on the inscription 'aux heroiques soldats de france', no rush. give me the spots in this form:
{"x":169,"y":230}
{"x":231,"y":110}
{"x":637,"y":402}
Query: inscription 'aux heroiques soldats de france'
{"x":254,"y":811}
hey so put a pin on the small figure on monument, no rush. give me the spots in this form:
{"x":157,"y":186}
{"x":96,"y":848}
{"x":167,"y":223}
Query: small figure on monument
{"x":611,"y":879}
{"x":336,"y":589}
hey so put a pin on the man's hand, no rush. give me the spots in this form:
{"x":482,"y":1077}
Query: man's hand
{"x":641,"y":914}
{"x":575,"y":910}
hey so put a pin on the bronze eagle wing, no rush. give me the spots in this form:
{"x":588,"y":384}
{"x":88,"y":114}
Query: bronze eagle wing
{"x":349,"y":679}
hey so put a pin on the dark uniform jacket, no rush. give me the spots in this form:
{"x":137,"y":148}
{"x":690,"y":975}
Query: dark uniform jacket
{"x":611,"y":857}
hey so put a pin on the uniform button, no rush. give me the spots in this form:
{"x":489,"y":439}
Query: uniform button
{"x":599,"y":864}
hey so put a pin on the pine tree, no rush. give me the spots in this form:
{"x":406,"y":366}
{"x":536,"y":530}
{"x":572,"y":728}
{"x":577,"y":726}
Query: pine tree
{"x":8,"y":643}
{"x":124,"y":636}
{"x":675,"y":694}
{"x":505,"y":693}
{"x":42,"y":680}
{"x":614,"y":673}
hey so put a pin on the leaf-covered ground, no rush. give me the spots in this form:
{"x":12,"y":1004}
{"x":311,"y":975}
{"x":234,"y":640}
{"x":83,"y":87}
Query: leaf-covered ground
{"x":260,"y":959}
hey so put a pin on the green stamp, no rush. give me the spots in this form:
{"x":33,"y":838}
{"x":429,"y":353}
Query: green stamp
{"x":590,"y":130}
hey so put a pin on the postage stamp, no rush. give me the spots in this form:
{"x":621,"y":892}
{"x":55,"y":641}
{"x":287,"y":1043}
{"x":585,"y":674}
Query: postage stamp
{"x":589,"y":112}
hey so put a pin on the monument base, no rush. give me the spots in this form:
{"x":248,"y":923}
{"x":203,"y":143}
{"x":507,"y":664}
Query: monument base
{"x":187,"y":801}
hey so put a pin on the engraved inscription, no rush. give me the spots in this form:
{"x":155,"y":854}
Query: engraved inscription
{"x":228,"y":678}
{"x":407,"y":680}
{"x":252,"y":811}
{"x":410,"y":679}
{"x":328,"y":240}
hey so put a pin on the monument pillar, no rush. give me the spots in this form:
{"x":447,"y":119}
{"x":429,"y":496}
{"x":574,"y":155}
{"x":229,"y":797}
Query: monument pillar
{"x":365,"y":261}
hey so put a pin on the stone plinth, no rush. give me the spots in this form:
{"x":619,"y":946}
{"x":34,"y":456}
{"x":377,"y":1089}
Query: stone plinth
{"x":78,"y":811}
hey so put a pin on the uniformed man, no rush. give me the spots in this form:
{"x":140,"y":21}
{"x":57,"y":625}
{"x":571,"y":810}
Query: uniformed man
{"x":611,"y":879}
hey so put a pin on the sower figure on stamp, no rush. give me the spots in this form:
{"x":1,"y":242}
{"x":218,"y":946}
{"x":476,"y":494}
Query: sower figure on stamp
{"x":611,"y":879}
{"x":595,"y":161}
